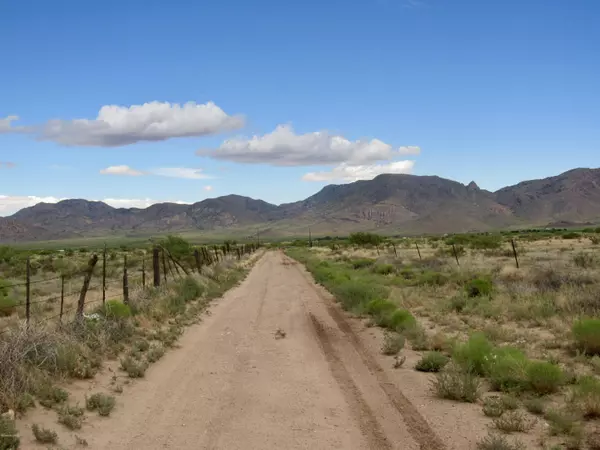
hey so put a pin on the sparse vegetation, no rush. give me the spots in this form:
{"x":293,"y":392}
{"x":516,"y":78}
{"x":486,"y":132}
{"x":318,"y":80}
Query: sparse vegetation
{"x":499,"y":442}
{"x":9,"y":438}
{"x":43,"y":435}
{"x":586,"y":333}
{"x":432,"y":362}
{"x":456,"y":384}
{"x":392,"y":344}
{"x":134,"y":368}
{"x":37,"y":358}
{"x":531,"y":332}
{"x":102,"y":403}
{"x":512,"y":422}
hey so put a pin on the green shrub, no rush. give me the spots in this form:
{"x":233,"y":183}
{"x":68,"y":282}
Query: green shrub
{"x":25,"y":402}
{"x":400,"y":320}
{"x":587,"y":335}
{"x":116,"y":310}
{"x":72,"y":419}
{"x":392,"y":344}
{"x":141,"y":345}
{"x":379,"y":308}
{"x":418,"y":338}
{"x":534,"y":406}
{"x":562,"y":422}
{"x":498,"y":442}
{"x":430,"y":278}
{"x":102,"y":403}
{"x":9,"y":436}
{"x":8,"y":306}
{"x":458,"y":385}
{"x":493,"y":407}
{"x":155,"y":353}
{"x":384,"y":269}
{"x":354,"y":295}
{"x":485,"y":242}
{"x":134,"y":368}
{"x":432,"y":362}
{"x":364,"y":239}
{"x":458,"y":303}
{"x":571,"y":235}
{"x":362,"y":263}
{"x":43,"y":435}
{"x":544,"y":378}
{"x":473,"y":355}
{"x":190,"y":289}
{"x":49,"y":395}
{"x":586,"y":397}
{"x":479,"y":287}
{"x":509,"y":401}
{"x":506,"y":368}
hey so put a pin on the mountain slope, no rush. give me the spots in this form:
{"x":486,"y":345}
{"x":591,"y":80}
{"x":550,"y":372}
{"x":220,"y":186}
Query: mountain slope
{"x":573,"y":196}
{"x":388,"y":203}
{"x":402,"y":202}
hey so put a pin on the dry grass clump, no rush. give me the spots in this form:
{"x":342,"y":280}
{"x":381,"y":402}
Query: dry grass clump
{"x":512,"y":422}
{"x":43,"y":435}
{"x":499,"y":442}
{"x":457,"y":384}
{"x":100,"y":402}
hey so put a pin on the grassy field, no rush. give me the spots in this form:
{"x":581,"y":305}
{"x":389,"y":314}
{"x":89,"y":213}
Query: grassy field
{"x":522,"y":342}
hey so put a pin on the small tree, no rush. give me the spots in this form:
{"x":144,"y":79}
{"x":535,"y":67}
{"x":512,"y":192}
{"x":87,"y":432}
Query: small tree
{"x":363,"y":239}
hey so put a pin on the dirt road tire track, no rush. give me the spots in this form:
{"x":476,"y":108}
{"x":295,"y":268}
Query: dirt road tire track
{"x":363,"y":414}
{"x":233,"y":385}
{"x":416,"y":423}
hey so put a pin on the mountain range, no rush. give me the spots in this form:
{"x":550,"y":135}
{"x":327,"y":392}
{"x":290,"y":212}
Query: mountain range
{"x":389,"y":203}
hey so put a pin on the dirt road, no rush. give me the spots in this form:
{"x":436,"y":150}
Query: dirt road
{"x":235,"y":384}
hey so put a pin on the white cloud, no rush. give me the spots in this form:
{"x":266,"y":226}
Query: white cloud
{"x":283,"y":147}
{"x":121,"y":170}
{"x":6,"y":125}
{"x":348,"y":173}
{"x":410,"y":150}
{"x":136,"y":202}
{"x":208,"y":188}
{"x":11,"y":204}
{"x":171,"y":172}
{"x":180,"y":172}
{"x":119,"y":125}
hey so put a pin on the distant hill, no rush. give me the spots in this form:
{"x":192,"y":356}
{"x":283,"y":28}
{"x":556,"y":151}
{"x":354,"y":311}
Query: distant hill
{"x":388,"y":203}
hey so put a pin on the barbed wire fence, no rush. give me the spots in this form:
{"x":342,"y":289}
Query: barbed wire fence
{"x":156,"y":269}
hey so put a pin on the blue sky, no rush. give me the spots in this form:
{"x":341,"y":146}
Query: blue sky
{"x":332,"y":91}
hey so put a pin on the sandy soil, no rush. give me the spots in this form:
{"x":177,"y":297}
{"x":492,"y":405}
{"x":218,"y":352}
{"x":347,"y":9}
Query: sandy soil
{"x":234,"y":383}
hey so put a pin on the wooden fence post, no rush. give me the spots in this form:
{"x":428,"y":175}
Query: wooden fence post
{"x":62,"y":297}
{"x":125,"y":282}
{"x":143,"y":272}
{"x":104,"y":276}
{"x":86,"y":284}
{"x":198,"y":263}
{"x":28,"y":293}
{"x":455,"y":254}
{"x":156,"y":266}
{"x":164,"y":265}
{"x":418,"y":250}
{"x":514,"y":247}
